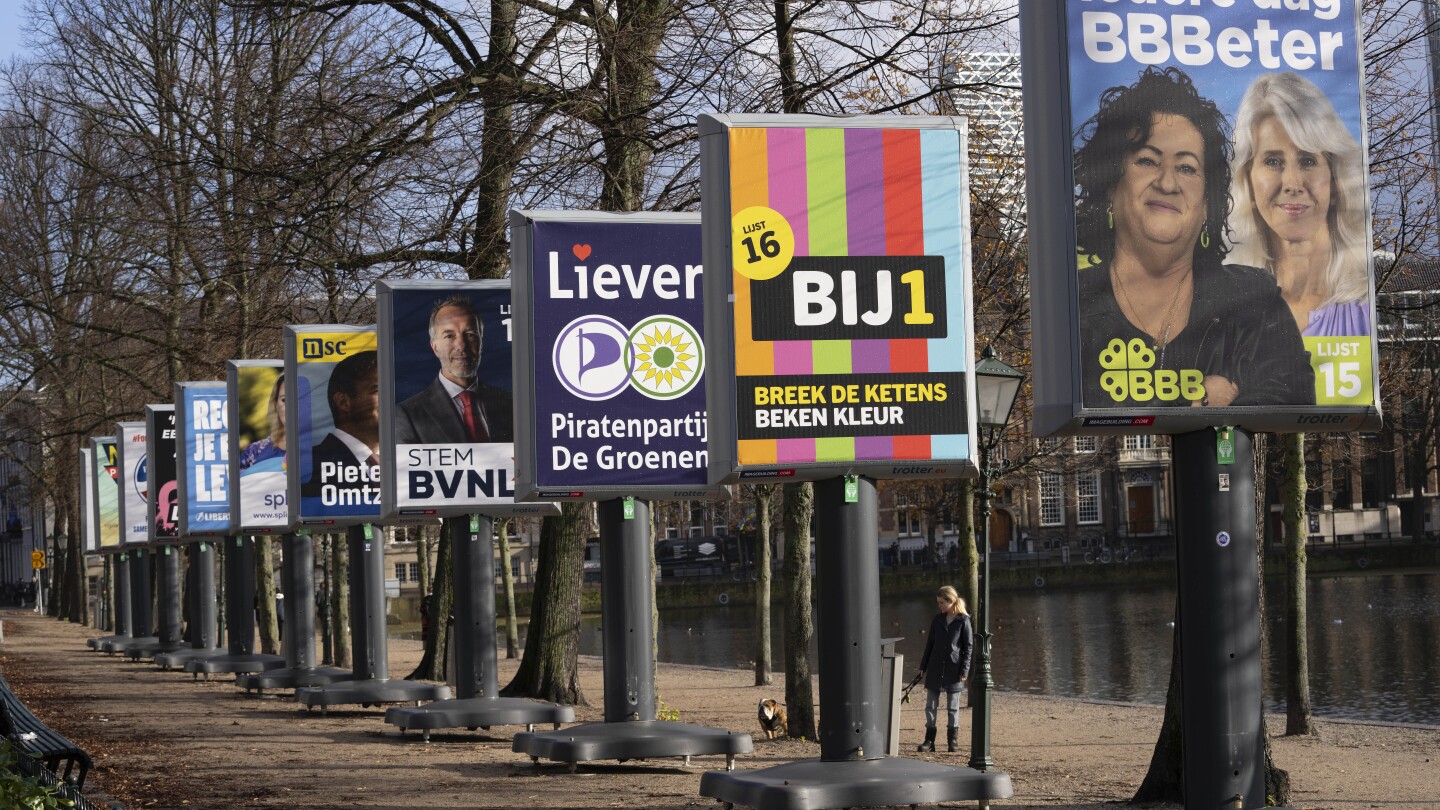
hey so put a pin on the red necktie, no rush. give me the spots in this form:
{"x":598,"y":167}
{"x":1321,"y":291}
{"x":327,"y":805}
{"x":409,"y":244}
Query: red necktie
{"x":468,"y":414}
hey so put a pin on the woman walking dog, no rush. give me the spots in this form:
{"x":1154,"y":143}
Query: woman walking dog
{"x":945,"y":665}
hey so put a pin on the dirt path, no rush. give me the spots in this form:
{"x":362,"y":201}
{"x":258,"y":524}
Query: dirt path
{"x":161,"y":739}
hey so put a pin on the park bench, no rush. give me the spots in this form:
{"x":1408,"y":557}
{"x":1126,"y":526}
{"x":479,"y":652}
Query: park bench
{"x":27,"y":733}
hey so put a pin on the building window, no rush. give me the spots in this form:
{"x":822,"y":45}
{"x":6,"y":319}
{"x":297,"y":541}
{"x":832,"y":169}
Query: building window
{"x":671,"y":532}
{"x":907,"y":518}
{"x":1140,"y":442}
{"x":514,"y":568}
{"x":1052,"y":509}
{"x":697,"y":521}
{"x":1050,"y":444}
{"x":400,"y":573}
{"x":415,"y":572}
{"x":1087,"y":498}
{"x":1086,"y":444}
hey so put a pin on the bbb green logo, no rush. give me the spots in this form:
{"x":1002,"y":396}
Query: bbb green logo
{"x":1128,"y":375}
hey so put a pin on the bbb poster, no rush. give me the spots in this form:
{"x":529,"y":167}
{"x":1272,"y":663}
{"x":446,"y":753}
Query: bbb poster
{"x":163,"y":490}
{"x":844,"y":245}
{"x":106,"y":477}
{"x":611,"y":399}
{"x":447,"y":410}
{"x":255,"y":403}
{"x":1220,"y":215}
{"x":134,"y":484}
{"x":204,"y":467}
{"x":332,"y":389}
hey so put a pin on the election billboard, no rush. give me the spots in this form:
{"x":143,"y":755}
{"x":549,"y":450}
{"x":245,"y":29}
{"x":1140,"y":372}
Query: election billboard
{"x":838,"y":302}
{"x":332,"y":414}
{"x":134,"y":484}
{"x":610,"y":356}
{"x":203,"y":469}
{"x":1200,"y":249}
{"x":162,"y":488}
{"x":255,"y":421}
{"x":447,"y":430}
{"x":105,"y":475}
{"x":88,"y":530}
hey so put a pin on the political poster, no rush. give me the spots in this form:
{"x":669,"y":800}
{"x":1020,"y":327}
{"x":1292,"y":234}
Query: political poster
{"x":332,"y":406}
{"x":162,"y":488}
{"x":610,"y":356}
{"x":105,"y":476}
{"x":203,"y":470}
{"x":447,"y":427}
{"x":88,"y":530}
{"x":1203,"y":198}
{"x":134,"y":484}
{"x":838,"y":297}
{"x":255,"y":421}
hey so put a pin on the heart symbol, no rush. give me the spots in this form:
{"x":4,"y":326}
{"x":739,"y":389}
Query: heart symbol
{"x":582,"y":252}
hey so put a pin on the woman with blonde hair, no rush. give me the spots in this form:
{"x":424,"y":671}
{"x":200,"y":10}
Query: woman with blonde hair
{"x":273,"y":445}
{"x":1299,"y":204}
{"x":945,"y":665}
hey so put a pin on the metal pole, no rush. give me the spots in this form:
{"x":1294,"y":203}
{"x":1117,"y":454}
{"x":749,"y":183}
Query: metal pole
{"x":847,"y":625}
{"x":625,"y":622}
{"x":1219,"y":622}
{"x":300,"y":599}
{"x":168,"y":585}
{"x":202,"y":560}
{"x":473,"y":577}
{"x":240,"y":595}
{"x":367,"y":606}
{"x":327,"y":653}
{"x":982,"y":683}
{"x":287,"y":608}
{"x":141,"y":618}
{"x":123,"y":625}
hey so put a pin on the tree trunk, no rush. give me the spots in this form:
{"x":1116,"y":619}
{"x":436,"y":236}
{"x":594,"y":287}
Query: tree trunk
{"x":340,"y":601}
{"x":507,"y":580}
{"x":548,"y":671}
{"x":763,"y":493}
{"x":1165,"y":778}
{"x":969,"y":556}
{"x":1277,"y":780}
{"x":799,"y":628}
{"x":422,"y":557}
{"x":265,"y":616}
{"x":442,"y":602}
{"x":1297,"y":656}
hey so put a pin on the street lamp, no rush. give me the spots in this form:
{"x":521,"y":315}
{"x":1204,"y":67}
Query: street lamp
{"x":996,"y":386}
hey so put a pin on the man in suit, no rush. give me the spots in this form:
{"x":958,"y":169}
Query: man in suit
{"x":457,"y":408}
{"x":349,"y":456}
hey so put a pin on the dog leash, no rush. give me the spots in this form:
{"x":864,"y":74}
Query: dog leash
{"x":905,"y":694}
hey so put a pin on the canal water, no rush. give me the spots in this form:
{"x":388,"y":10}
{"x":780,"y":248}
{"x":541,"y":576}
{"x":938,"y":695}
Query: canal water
{"x":1374,"y":643}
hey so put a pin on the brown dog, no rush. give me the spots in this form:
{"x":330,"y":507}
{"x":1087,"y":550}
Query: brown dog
{"x":772,"y":718}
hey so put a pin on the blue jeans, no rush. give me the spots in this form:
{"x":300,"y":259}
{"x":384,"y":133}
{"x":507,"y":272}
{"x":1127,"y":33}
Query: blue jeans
{"x":952,"y":705}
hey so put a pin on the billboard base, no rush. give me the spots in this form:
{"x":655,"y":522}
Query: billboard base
{"x":119,"y":644}
{"x":636,"y":739}
{"x":179,"y":658}
{"x":292,"y":678}
{"x":480,"y":712}
{"x":371,"y":692}
{"x":231,"y":663}
{"x":869,"y":783}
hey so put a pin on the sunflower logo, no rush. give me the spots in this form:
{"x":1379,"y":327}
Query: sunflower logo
{"x":668,"y":357}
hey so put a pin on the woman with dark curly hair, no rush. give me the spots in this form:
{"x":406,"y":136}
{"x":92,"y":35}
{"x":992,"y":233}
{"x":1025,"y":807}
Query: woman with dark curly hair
{"x":1153,"y":182}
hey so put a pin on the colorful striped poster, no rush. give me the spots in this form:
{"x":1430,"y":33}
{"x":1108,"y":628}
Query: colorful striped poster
{"x":850,"y":276}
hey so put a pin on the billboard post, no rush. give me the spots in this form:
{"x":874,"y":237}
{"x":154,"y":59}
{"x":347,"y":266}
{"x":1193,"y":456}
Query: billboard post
{"x":104,"y":474}
{"x":333,"y":471}
{"x":448,"y":444}
{"x":1200,"y":182}
{"x":163,"y":524}
{"x":838,"y":307}
{"x":610,"y":359}
{"x":132,"y":476}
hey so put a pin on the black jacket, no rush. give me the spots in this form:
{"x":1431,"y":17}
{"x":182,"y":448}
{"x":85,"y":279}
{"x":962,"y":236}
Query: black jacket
{"x":1239,"y":328}
{"x":947,"y":652}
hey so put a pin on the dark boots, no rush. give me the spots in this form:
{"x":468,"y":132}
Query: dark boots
{"x":929,"y":744}
{"x":952,"y":739}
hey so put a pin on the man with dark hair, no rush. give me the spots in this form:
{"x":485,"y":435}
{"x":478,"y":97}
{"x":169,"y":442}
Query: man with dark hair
{"x":457,"y":408}
{"x":349,"y":457}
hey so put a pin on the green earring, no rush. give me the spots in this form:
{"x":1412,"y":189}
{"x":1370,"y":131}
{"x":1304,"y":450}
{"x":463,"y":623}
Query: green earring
{"x":1205,"y":237}
{"x":1110,"y":216}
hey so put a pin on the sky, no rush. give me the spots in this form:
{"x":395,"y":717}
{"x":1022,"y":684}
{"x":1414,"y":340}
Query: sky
{"x":12,"y":15}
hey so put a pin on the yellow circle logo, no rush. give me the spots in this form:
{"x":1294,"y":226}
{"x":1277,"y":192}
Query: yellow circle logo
{"x":761,"y":243}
